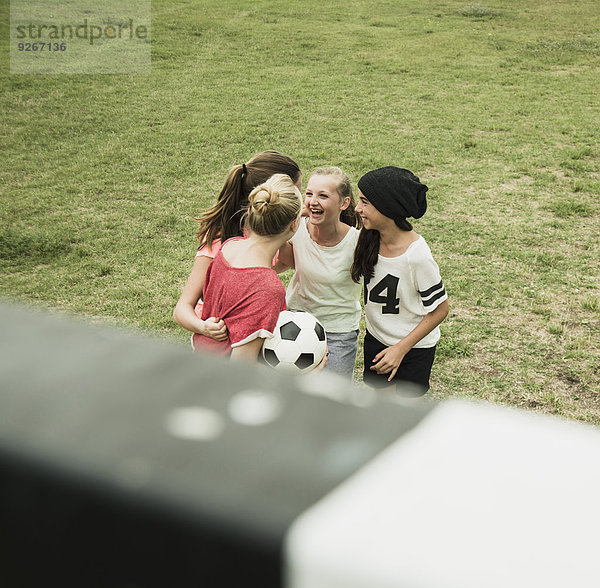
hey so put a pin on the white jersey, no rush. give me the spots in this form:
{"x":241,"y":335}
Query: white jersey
{"x":322,"y":284}
{"x":403,"y":290}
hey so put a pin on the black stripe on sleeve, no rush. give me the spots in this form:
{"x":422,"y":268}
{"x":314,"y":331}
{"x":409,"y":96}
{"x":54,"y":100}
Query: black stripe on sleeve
{"x":434,"y":298}
{"x":431,"y":290}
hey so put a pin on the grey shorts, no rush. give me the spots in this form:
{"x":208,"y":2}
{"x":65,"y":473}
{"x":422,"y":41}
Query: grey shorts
{"x":342,"y":353}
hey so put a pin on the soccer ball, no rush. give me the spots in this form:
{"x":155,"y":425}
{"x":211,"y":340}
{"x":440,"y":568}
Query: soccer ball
{"x":298,"y":343}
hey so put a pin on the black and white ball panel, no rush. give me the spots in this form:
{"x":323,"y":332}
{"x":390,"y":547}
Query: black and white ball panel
{"x":298,"y":344}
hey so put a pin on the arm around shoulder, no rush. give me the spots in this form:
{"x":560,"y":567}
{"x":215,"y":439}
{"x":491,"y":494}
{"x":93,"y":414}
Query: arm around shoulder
{"x":184,"y":313}
{"x":285,"y":258}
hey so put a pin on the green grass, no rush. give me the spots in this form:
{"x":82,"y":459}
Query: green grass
{"x":493,"y":105}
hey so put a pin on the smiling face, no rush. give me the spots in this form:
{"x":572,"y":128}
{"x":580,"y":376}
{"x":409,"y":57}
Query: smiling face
{"x":323,"y":200}
{"x":370,"y":216}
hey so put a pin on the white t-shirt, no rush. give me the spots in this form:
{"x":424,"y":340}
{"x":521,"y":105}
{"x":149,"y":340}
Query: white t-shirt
{"x":403,"y":290}
{"x":322,"y":284}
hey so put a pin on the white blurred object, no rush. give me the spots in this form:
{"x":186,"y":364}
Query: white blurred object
{"x":476,"y":496}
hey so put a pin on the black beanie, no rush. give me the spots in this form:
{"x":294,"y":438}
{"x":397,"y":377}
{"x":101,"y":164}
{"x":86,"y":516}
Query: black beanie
{"x":395,"y":192}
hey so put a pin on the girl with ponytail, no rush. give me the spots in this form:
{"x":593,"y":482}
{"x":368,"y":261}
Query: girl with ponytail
{"x":241,"y":288}
{"x":223,"y":221}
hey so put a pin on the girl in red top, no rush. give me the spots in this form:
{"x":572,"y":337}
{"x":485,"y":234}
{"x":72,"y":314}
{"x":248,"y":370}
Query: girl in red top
{"x":241,"y":288}
{"x":221,"y":222}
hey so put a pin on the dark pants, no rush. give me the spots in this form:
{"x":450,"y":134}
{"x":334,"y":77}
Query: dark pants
{"x":412,"y":377}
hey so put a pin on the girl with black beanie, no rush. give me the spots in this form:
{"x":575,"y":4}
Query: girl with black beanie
{"x":404,"y":295}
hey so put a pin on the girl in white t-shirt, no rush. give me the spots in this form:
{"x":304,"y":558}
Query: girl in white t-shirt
{"x":321,"y":252}
{"x":405,"y":299}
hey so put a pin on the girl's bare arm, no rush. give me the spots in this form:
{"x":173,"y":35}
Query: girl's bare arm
{"x":390,"y":358}
{"x":184,"y":314}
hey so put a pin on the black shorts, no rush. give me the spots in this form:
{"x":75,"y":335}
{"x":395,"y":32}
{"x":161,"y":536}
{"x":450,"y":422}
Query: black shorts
{"x":412,"y":377}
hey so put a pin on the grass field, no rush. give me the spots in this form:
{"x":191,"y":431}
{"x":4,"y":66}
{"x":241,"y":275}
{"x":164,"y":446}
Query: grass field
{"x":494,"y":105}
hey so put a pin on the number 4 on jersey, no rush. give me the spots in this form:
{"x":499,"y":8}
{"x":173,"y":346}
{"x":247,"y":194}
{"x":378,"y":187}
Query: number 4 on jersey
{"x":389,"y":285}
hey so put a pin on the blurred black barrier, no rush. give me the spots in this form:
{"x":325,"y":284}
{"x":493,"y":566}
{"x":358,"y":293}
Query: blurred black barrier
{"x":126,"y":461}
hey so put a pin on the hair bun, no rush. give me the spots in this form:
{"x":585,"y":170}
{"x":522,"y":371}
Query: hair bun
{"x":273,"y":206}
{"x":263,"y":199}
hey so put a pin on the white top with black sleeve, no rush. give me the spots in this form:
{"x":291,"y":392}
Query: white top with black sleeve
{"x":403,"y":290}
